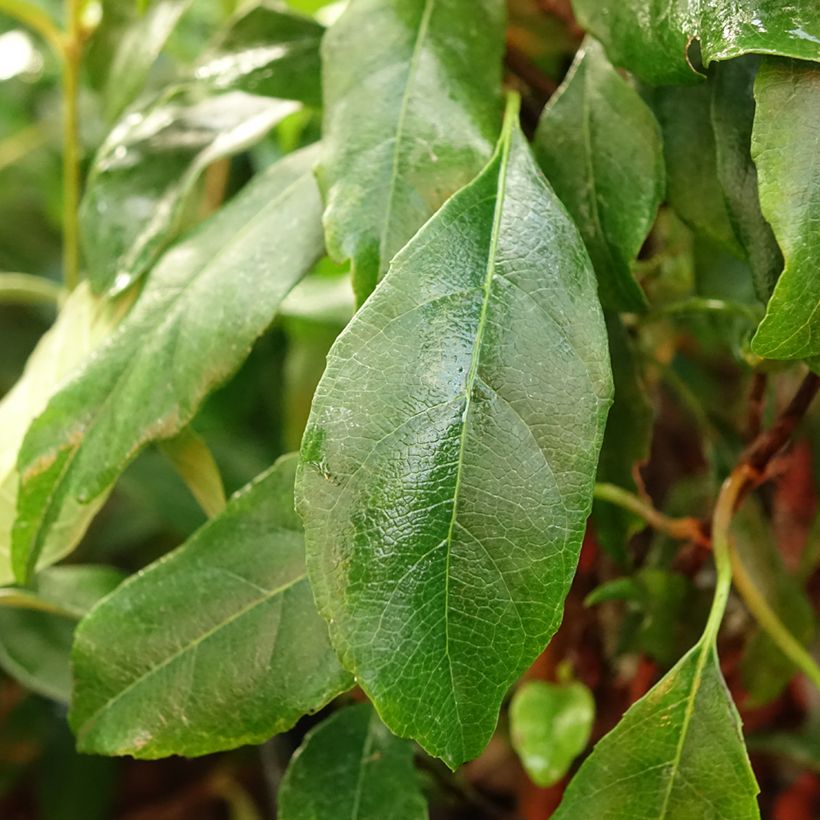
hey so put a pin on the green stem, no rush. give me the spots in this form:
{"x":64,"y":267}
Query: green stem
{"x":25,"y":289}
{"x":18,"y":145}
{"x":36,"y":19}
{"x":697,"y":304}
{"x":71,"y":145}
{"x":770,"y":623}
{"x":687,"y":529}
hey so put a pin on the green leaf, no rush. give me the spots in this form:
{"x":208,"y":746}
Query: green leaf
{"x":693,"y":187}
{"x":732,"y":114}
{"x":764,"y":668}
{"x":351,"y":768}
{"x":627,"y":440}
{"x":146,"y":172}
{"x":550,"y":726}
{"x":37,"y":625}
{"x":451,"y":448}
{"x":266,"y":50}
{"x":227,"y":620}
{"x":784,"y":149}
{"x":81,"y":325}
{"x":600,"y":147}
{"x":677,"y":753}
{"x":411,"y":92}
{"x":652,"y":39}
{"x":204,"y":305}
{"x":126,"y":45}
{"x":195,"y":464}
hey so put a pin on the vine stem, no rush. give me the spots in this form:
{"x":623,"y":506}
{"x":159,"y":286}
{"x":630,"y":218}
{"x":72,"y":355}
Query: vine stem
{"x":36,"y":19}
{"x":685,"y":529}
{"x":23,"y":288}
{"x":71,"y":144}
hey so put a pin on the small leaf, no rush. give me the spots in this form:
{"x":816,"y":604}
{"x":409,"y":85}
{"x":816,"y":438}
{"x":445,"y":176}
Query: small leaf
{"x":226,"y":621}
{"x":150,"y":379}
{"x":550,"y":726}
{"x":266,"y":50}
{"x":784,"y":148}
{"x":411,"y":92}
{"x":449,"y":457}
{"x":652,"y":40}
{"x":145,"y":172}
{"x":83,"y":322}
{"x":693,"y":188}
{"x":125,"y":46}
{"x":600,"y":147}
{"x":732,"y":114}
{"x":677,"y":753}
{"x":351,"y":768}
{"x":195,"y":464}
{"x":37,"y":625}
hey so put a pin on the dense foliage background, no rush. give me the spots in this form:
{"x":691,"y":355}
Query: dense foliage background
{"x":196,"y":134}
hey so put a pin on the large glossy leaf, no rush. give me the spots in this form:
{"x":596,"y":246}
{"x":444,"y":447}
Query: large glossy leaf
{"x":126,"y":44}
{"x":549,"y":726}
{"x":84,"y":321}
{"x":677,"y":753}
{"x":652,"y":39}
{"x":351,"y":768}
{"x":266,"y":50}
{"x":37,"y":625}
{"x":225,"y":622}
{"x":204,"y":305}
{"x":411,"y":115}
{"x":449,"y":457}
{"x":693,"y":185}
{"x":600,"y":147}
{"x":784,"y":148}
{"x":733,"y":110}
{"x":144,"y":174}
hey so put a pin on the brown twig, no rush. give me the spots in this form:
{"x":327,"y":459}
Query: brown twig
{"x":757,"y":402}
{"x":519,"y":64}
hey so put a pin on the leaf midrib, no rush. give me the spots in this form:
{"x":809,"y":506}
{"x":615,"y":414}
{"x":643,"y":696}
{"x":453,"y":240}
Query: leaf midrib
{"x":87,"y":725}
{"x":424,"y":26}
{"x":472,"y":374}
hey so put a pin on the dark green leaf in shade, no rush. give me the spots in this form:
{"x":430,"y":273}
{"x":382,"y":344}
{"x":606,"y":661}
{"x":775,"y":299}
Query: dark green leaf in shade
{"x":733,"y":110}
{"x":37,"y":625}
{"x":652,"y":39}
{"x":82,"y":324}
{"x":411,"y":91}
{"x":693,"y":186}
{"x":224,"y":626}
{"x":626,"y":443}
{"x":550,"y":726}
{"x":125,"y":46}
{"x":449,"y":458}
{"x":268,"y":51}
{"x":350,"y":767}
{"x":146,"y":171}
{"x":151,"y":377}
{"x":676,"y":754}
{"x":765,"y":670}
{"x":785,"y":151}
{"x":600,"y":147}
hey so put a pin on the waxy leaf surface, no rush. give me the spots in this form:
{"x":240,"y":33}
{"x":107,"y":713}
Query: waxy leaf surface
{"x":265,"y":50}
{"x":223,"y":627}
{"x":600,"y":147}
{"x":204,"y":305}
{"x":83,"y":322}
{"x":350,"y":767}
{"x":677,"y":753}
{"x":412,"y":111}
{"x":652,"y":39}
{"x":449,"y":457}
{"x":145,"y":172}
{"x":785,"y":149}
